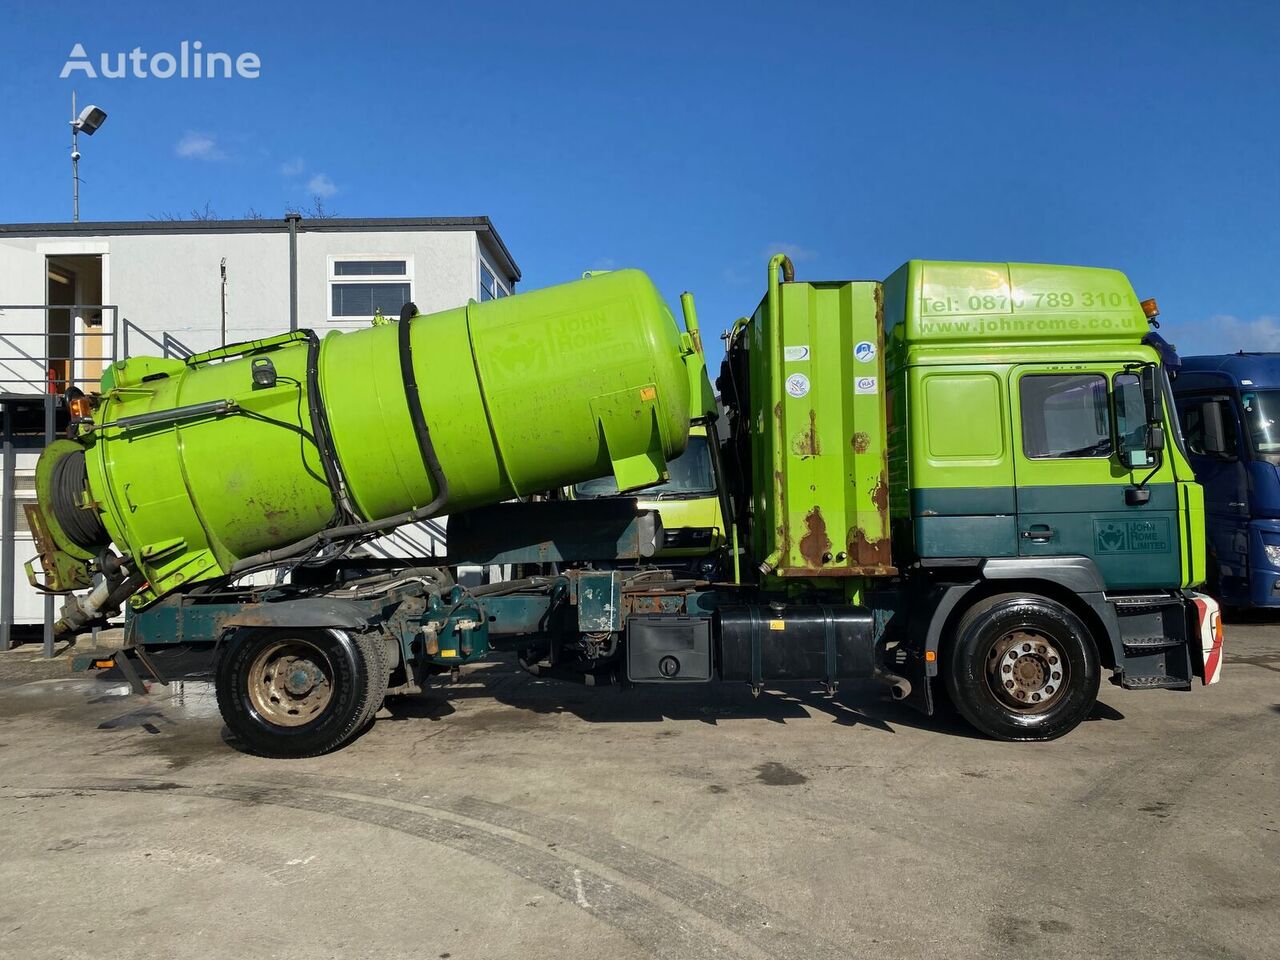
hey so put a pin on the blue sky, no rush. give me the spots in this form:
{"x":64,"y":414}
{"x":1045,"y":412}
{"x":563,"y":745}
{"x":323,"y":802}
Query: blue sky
{"x":693,"y":139}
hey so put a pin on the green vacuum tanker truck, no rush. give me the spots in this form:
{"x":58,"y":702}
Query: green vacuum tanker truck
{"x":965,"y":481}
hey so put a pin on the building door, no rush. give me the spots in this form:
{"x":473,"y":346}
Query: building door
{"x":78,"y":344}
{"x":1071,"y":485}
{"x":58,"y":328}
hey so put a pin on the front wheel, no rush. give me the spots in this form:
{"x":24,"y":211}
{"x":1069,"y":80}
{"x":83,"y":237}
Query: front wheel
{"x":1022,"y":667}
{"x":298,"y":692}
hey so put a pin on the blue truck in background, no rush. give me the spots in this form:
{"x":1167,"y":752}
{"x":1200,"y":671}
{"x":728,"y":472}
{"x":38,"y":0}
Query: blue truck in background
{"x":1229,"y":409}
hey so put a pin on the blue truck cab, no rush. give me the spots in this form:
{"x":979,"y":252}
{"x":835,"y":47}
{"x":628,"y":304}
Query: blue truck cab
{"x":1229,"y":408}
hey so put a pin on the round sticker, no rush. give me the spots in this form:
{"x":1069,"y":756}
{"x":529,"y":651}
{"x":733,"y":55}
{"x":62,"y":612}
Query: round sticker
{"x":865,"y":351}
{"x":798,"y":385}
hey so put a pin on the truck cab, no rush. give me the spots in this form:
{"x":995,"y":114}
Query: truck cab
{"x":1229,"y":407}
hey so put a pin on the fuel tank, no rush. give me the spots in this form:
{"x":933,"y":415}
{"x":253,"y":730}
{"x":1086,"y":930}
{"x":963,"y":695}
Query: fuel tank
{"x":256,"y":453}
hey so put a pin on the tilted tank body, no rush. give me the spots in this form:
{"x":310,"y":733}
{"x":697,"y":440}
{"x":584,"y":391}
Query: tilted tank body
{"x":251,"y":455}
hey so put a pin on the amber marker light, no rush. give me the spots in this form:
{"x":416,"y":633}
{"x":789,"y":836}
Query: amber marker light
{"x":80,"y":408}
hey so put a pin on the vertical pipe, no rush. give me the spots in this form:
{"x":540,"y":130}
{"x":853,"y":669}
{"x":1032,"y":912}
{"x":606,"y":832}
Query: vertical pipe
{"x":49,"y":437}
{"x":72,"y":329}
{"x":691,"y":319}
{"x":223,"y":268}
{"x":293,"y":219}
{"x":777,"y":375}
{"x":7,"y":511}
{"x":75,"y":164}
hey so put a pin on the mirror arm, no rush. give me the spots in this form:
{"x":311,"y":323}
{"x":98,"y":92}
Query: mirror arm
{"x":1141,"y":484}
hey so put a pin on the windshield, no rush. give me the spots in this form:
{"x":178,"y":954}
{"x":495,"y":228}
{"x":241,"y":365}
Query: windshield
{"x":1262,"y":422}
{"x":691,"y":476}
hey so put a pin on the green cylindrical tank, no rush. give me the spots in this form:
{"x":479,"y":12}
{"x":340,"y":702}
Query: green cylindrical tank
{"x":196,"y":468}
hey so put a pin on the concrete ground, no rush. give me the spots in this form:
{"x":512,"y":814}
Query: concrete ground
{"x":504,"y":817}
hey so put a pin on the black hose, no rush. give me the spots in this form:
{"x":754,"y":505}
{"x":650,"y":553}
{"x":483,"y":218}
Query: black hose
{"x":271,"y":558}
{"x":68,"y":482}
{"x":320,"y":428}
{"x":416,"y":415}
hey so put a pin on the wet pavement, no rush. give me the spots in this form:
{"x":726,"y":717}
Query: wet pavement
{"x":506,"y":817}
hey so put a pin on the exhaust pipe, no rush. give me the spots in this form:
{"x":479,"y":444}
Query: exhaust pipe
{"x":899,"y":686}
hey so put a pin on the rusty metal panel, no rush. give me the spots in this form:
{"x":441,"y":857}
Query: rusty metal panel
{"x":818,"y":392}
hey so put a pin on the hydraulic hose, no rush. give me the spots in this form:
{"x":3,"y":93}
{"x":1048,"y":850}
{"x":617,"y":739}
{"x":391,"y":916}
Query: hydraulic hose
{"x":271,"y":558}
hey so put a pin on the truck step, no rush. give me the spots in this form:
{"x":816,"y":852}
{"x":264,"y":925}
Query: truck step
{"x":1145,"y":644}
{"x":1133,"y":602}
{"x":1155,"y":683}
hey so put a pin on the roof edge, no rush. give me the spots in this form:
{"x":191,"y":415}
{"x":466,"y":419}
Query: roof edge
{"x":86,"y":228}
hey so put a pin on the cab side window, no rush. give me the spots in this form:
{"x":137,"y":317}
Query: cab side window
{"x":1065,"y":416}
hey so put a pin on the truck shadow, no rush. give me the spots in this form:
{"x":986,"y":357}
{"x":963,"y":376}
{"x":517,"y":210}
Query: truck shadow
{"x":500,"y":680}
{"x":857,"y":703}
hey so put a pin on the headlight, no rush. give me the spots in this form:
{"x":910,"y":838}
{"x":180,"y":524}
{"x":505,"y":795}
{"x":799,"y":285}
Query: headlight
{"x":1273,"y":553}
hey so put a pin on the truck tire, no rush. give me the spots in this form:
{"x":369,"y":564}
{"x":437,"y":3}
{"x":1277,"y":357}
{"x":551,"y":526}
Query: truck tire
{"x":299,"y":692}
{"x":1022,"y":667}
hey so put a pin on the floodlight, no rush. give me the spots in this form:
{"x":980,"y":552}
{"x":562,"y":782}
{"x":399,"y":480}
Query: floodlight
{"x":90,"y":119}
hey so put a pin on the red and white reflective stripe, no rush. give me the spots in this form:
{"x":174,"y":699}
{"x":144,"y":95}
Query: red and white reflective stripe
{"x":1210,"y":617}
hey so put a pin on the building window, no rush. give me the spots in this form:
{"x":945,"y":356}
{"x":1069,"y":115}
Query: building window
{"x":491,"y":288}
{"x":362,"y":288}
{"x":1065,"y":416}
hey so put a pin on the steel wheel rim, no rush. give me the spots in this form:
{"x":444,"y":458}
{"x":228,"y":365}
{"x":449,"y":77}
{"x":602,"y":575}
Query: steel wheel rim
{"x":291,"y":682}
{"x":1026,"y":671}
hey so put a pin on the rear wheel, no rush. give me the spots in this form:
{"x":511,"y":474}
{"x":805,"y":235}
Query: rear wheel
{"x":290,"y":692}
{"x":1022,"y":667}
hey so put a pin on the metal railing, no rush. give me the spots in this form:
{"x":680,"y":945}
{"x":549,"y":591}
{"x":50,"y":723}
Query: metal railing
{"x":47,"y":360}
{"x":37,"y":365}
{"x":167,"y":344}
{"x":425,"y":538}
{"x":9,"y":561}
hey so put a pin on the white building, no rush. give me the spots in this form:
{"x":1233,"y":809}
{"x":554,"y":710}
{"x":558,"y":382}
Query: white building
{"x":76,"y":296}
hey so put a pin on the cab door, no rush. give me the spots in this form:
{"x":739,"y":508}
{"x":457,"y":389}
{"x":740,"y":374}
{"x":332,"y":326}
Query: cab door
{"x":1074,"y":495}
{"x":1224,"y":476}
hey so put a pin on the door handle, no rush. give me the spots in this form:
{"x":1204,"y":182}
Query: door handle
{"x":1039,"y":532}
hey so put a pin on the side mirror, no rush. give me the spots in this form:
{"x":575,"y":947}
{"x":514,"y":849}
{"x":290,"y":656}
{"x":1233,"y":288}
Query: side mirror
{"x":1215,"y":430}
{"x":1151,"y":392}
{"x":1139,"y":433}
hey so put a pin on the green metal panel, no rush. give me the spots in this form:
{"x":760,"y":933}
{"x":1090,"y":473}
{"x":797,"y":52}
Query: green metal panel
{"x":975,"y":536}
{"x":965,"y":521}
{"x":820,"y":485}
{"x":520,"y":394}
